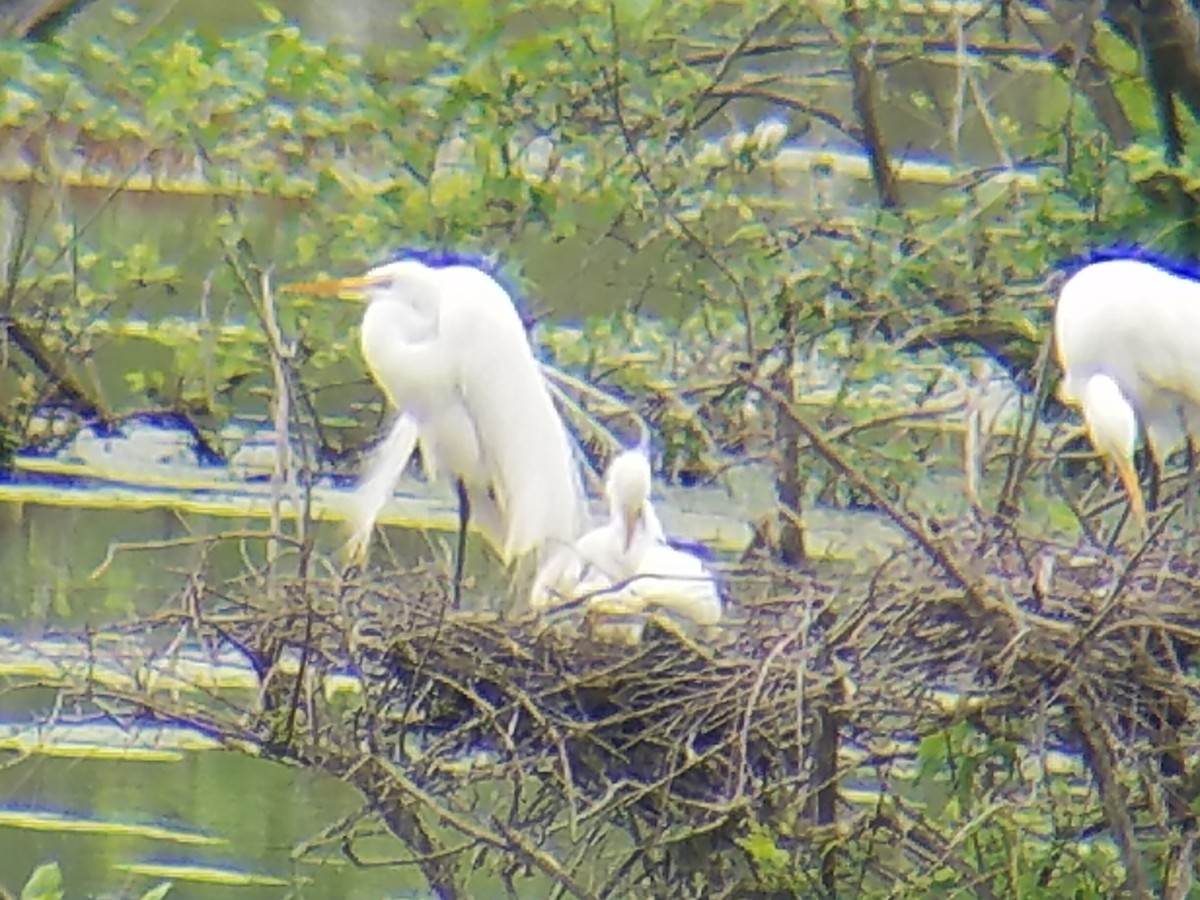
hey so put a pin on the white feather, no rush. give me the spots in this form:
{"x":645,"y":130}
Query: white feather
{"x":1139,"y":325}
{"x":448,"y":348}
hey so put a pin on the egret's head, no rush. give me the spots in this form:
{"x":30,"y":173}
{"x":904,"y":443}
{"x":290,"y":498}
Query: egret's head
{"x":627,"y":485}
{"x":381,"y":283}
{"x":1112,"y":425}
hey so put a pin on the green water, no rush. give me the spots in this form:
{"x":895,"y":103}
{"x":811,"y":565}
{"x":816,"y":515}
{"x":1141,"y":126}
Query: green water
{"x":258,"y":811}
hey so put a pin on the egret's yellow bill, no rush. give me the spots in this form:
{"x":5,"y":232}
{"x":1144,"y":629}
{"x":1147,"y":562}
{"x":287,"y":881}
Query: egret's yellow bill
{"x":1133,"y":488}
{"x":353,"y":288}
{"x":631,"y":517}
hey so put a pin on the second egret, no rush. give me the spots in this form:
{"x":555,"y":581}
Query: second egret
{"x":1126,"y":336}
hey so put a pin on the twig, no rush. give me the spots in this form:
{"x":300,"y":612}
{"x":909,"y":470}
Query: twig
{"x":865,"y":97}
{"x":281,"y":415}
{"x":1021,"y":461}
{"x":748,"y":713}
{"x":666,"y":206}
{"x":505,"y":839}
{"x":1085,"y":717}
{"x":116,"y":547}
{"x":949,"y":565}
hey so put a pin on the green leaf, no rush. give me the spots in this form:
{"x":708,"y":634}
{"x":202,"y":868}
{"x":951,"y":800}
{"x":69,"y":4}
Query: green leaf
{"x":44,"y":884}
{"x":157,"y":892}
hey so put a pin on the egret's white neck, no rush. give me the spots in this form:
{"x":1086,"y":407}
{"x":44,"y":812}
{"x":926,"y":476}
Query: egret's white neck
{"x":1111,"y":421}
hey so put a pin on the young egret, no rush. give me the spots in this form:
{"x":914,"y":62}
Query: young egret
{"x":1127,"y":334}
{"x":447,"y":347}
{"x":627,"y":564}
{"x":610,"y":552}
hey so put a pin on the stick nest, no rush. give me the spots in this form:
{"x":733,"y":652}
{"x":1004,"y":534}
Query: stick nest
{"x":686,"y":741}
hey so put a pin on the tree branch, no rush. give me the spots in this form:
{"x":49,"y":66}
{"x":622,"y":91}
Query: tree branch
{"x":865,"y":97}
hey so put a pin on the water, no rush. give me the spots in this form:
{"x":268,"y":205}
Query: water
{"x":147,"y":815}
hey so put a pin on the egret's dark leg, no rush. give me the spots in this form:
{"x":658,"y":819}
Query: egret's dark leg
{"x":464,"y":516}
{"x":1150,"y":474}
{"x":1189,"y":492}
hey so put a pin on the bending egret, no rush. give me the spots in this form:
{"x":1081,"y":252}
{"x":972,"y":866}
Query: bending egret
{"x":1128,"y":338}
{"x":628,"y":564}
{"x":447,"y":347}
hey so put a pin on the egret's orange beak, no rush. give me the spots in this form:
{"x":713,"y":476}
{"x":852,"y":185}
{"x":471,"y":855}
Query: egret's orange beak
{"x":631,"y":519}
{"x":354,"y":288}
{"x":1133,"y":488}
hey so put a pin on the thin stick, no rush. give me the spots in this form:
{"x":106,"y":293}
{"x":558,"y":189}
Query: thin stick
{"x":189,"y":541}
{"x":281,"y":415}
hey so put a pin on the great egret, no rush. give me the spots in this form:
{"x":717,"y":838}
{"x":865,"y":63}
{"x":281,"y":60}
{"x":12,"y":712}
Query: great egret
{"x":1127,"y":333}
{"x":627,"y":564}
{"x":447,"y":347}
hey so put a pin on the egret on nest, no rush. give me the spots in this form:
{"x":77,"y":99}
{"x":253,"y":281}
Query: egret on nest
{"x":447,"y":347}
{"x":1127,"y":333}
{"x":627,"y":564}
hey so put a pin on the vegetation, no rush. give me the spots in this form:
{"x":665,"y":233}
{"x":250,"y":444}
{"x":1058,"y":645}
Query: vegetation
{"x":46,"y":883}
{"x":161,"y":183}
{"x":582,"y":146}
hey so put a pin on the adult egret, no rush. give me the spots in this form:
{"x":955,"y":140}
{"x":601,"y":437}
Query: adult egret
{"x":627,"y":564}
{"x":447,"y":347}
{"x":1127,"y":333}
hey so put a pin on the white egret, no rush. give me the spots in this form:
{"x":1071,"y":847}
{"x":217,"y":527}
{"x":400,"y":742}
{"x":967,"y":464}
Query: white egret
{"x":447,"y":347}
{"x":1127,"y":332}
{"x":627,"y":564}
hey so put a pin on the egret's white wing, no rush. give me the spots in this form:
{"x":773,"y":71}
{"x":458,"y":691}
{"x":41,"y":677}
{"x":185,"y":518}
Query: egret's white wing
{"x":679,"y":583}
{"x":528,"y":451}
{"x":384,"y":468}
{"x":595,"y":562}
{"x":668,"y":579}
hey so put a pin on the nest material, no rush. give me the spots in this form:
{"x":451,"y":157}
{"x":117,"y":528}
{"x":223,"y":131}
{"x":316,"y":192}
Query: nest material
{"x":685,"y":743}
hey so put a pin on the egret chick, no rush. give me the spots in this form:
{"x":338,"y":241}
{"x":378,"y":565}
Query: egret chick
{"x":1125,"y":333}
{"x":447,"y":347}
{"x":628,"y":565}
{"x":668,"y":578}
{"x":610,"y":552}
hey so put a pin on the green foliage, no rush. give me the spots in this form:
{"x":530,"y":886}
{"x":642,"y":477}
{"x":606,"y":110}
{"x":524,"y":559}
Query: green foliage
{"x":972,"y":811}
{"x":8,"y":445}
{"x":771,"y":863}
{"x":598,"y":144}
{"x":46,"y":883}
{"x":583,"y":139}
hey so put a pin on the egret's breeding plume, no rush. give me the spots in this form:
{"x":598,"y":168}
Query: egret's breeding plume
{"x":447,"y":347}
{"x":627,"y":564}
{"x":1127,"y":332}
